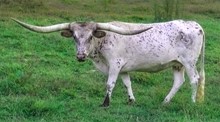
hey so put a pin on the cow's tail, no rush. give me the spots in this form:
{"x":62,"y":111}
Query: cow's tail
{"x":201,"y":83}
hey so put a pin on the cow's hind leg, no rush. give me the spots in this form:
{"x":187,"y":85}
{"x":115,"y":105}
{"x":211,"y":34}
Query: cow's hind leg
{"x":127,"y":82}
{"x":178,"y":74}
{"x":194,"y":78}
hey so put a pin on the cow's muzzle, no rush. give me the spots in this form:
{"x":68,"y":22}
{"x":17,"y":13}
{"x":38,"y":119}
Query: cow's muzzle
{"x":81,"y":57}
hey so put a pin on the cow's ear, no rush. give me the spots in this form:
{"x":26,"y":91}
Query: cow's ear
{"x":99,"y":34}
{"x":66,"y":33}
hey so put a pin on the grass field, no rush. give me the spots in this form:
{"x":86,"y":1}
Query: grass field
{"x":41,"y":80}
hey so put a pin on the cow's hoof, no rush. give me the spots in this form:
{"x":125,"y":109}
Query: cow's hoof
{"x":165,"y":103}
{"x":131,"y":101}
{"x":104,"y":106}
{"x":106,"y":102}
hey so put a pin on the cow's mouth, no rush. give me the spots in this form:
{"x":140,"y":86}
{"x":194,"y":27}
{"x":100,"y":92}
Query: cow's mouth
{"x":81,"y":58}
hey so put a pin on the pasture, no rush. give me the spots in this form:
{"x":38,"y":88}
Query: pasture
{"x":41,"y":80}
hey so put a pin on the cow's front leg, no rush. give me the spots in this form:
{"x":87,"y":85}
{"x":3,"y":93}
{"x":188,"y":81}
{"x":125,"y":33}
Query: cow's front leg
{"x":112,"y":77}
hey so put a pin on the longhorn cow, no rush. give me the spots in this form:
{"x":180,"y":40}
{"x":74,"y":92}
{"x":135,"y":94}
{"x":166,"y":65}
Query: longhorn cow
{"x":117,"y":48}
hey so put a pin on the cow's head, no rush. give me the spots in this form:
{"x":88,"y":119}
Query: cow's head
{"x":82,"y":33}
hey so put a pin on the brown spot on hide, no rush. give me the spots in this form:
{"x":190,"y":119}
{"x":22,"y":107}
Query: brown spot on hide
{"x":118,"y":62}
{"x":200,"y":31}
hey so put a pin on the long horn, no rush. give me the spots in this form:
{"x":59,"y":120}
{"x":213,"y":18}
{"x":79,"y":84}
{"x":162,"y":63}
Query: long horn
{"x":112,"y":28}
{"x":45,"y":29}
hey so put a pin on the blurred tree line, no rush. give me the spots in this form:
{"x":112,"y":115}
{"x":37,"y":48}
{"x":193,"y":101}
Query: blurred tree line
{"x":162,"y":10}
{"x":167,"y":9}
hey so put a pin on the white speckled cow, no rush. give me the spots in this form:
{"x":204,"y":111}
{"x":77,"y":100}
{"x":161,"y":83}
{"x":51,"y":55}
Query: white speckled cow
{"x":115,"y":50}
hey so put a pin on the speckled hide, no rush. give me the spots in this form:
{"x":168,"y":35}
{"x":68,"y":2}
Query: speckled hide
{"x":165,"y":45}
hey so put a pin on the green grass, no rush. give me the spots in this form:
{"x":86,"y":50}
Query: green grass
{"x":40,"y":79}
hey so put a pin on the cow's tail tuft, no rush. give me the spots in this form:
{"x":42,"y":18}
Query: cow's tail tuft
{"x":201,"y":83}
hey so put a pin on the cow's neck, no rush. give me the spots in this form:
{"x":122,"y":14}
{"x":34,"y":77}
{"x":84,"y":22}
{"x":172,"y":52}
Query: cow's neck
{"x":97,"y":57}
{"x":95,"y":52}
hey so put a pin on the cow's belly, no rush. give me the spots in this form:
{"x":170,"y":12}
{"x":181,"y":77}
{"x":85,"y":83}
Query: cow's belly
{"x":152,"y":67}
